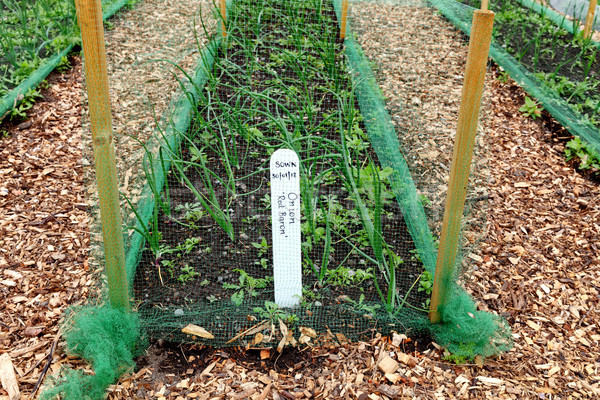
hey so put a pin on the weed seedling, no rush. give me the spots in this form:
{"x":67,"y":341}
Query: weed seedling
{"x":272,"y":312}
{"x":503,"y":77}
{"x":576,"y":149}
{"x":247,"y":285}
{"x":187,"y":274}
{"x":531,"y":108}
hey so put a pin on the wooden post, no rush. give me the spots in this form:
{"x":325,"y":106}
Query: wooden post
{"x":479,"y":45}
{"x":589,"y":20}
{"x":89,"y":13}
{"x":484,"y":5}
{"x":344,"y":19}
{"x":223,"y":4}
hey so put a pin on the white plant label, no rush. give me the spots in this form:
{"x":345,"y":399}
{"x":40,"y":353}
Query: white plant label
{"x":285,"y":216}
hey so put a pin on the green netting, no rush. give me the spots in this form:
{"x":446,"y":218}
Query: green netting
{"x":464,"y":330}
{"x":555,"y":64}
{"x":109,"y":339}
{"x":384,"y":139}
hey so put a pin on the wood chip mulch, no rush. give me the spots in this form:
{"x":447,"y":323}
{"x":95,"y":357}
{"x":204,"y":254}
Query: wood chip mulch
{"x":538,"y":266}
{"x":44,"y":235}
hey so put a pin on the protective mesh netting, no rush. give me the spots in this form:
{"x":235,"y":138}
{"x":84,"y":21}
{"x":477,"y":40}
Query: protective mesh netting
{"x":279,"y":80}
{"x":283,"y":79}
{"x":548,"y":56}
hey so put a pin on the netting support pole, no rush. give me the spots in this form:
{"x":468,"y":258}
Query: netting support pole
{"x":89,"y":14}
{"x":589,"y":20}
{"x":223,"y":5}
{"x":344,"y":19}
{"x":479,"y":45}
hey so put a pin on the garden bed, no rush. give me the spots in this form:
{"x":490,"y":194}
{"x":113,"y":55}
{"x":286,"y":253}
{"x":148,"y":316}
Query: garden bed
{"x":35,"y":38}
{"x":560,"y":69}
{"x":280,"y":81}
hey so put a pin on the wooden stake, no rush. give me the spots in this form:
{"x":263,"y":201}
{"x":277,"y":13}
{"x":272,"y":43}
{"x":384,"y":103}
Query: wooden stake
{"x":223,"y":4}
{"x":344,"y":19}
{"x":484,"y":5}
{"x":89,"y":13}
{"x":589,"y":20}
{"x":479,"y":45}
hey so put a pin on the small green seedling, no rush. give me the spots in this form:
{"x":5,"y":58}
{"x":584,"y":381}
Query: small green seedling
{"x":247,"y":285}
{"x":503,"y":77}
{"x":426,"y":282}
{"x":587,"y":160}
{"x":26,"y":102}
{"x":187,"y":274}
{"x":531,"y":108}
{"x":263,"y":248}
{"x":272,"y":312}
{"x":426,"y":285}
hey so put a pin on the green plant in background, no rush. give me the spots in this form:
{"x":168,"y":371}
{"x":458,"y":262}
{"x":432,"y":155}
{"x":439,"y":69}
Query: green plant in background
{"x":424,"y":200}
{"x":64,"y":65}
{"x":187,"y":274}
{"x":576,"y":149}
{"x":531,"y":108}
{"x":26,"y":102}
{"x":247,"y":286}
{"x":503,"y":76}
{"x":459,"y":359}
{"x":272,"y":312}
{"x":342,"y":276}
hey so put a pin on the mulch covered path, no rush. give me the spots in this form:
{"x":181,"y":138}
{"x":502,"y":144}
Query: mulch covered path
{"x":538,"y":266}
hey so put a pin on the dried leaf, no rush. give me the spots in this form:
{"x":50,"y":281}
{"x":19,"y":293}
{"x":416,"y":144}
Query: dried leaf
{"x":196,"y":330}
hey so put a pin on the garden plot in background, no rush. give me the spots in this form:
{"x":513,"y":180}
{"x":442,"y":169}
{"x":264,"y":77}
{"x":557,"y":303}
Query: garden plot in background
{"x":555,"y":64}
{"x":31,"y":31}
{"x":35,"y":38}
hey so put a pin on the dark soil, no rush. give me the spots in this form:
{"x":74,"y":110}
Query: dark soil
{"x":337,"y":302}
{"x":165,"y":357}
{"x":176,"y":358}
